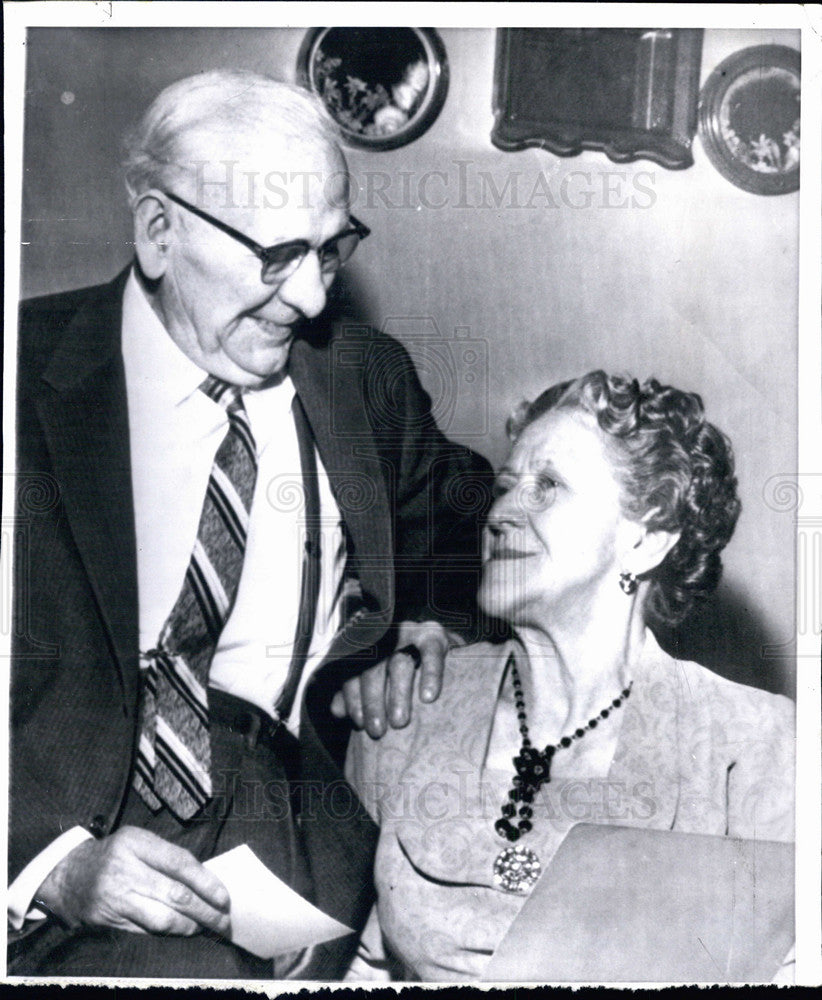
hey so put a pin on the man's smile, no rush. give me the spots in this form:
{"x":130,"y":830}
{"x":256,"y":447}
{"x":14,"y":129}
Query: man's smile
{"x":278,"y":333}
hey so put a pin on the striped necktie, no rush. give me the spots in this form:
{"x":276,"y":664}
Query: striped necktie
{"x":174,"y":755}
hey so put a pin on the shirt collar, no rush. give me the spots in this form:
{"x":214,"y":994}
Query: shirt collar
{"x":154,"y":363}
{"x":149,"y":353}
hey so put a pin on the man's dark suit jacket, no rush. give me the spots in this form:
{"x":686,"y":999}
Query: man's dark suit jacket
{"x":409,"y":504}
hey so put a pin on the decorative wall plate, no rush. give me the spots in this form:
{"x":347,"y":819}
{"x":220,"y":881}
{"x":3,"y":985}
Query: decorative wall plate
{"x":749,"y":119}
{"x":384,"y":87}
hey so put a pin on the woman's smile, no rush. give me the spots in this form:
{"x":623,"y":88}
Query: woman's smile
{"x":504,"y":552}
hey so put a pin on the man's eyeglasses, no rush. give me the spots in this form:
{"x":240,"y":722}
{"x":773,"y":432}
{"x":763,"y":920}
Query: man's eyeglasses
{"x":283,"y":259}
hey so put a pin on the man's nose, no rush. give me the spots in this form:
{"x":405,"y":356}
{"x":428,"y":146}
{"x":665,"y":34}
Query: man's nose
{"x":305,"y":290}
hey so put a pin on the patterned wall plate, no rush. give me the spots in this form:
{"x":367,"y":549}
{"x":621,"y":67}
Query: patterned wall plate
{"x":384,"y":87}
{"x":749,"y":119}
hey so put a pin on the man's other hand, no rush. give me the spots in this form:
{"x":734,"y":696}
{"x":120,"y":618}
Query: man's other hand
{"x":386,"y":690}
{"x":135,"y":881}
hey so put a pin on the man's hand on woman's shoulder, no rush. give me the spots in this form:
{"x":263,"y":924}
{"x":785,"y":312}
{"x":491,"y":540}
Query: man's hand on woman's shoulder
{"x":386,"y":691}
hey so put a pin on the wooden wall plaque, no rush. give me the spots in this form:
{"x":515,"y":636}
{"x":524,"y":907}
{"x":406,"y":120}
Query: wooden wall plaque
{"x":630,"y":92}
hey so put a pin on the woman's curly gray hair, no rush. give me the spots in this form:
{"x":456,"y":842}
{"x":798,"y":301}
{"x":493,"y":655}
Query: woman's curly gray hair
{"x":676,"y":471}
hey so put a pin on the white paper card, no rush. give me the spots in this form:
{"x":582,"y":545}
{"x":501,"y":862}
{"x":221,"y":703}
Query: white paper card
{"x":267,"y":917}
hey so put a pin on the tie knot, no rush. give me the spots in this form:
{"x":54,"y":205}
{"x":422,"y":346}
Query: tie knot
{"x":227,"y":395}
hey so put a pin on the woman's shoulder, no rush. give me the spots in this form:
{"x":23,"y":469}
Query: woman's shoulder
{"x":748,"y":698}
{"x":463,"y":706}
{"x":731,"y":702}
{"x":751,"y":733}
{"x":474,"y":664}
{"x":735,"y":749}
{"x":468,"y":678}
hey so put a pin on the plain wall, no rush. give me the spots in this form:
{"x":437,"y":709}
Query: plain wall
{"x":577,"y":263}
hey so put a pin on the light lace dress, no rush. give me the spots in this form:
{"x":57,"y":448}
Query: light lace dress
{"x":695,"y":753}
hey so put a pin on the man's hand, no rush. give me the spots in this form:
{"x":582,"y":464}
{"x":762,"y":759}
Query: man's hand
{"x":135,"y":881}
{"x":388,"y":687}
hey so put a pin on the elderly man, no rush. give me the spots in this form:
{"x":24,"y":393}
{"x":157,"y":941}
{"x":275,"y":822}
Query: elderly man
{"x":241,"y":501}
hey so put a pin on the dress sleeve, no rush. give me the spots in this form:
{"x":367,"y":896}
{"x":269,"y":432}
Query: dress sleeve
{"x":761,"y":779}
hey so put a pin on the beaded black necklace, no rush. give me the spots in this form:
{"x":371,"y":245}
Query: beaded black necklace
{"x":517,"y":868}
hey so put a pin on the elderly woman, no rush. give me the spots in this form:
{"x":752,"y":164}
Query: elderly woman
{"x":610,"y":514}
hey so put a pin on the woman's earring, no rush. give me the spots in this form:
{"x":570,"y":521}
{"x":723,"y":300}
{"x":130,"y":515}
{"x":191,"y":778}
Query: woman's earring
{"x":628,"y":583}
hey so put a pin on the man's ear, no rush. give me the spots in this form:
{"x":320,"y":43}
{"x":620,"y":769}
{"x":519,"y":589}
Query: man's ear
{"x":646,"y":549}
{"x":151,"y":228}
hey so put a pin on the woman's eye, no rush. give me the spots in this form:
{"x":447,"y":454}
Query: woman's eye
{"x":533,"y":492}
{"x":500,"y":488}
{"x":539,"y":492}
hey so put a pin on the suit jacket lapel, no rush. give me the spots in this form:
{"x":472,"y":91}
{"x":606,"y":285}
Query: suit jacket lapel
{"x":336,"y":414}
{"x":83,"y":410}
{"x":340,"y":849}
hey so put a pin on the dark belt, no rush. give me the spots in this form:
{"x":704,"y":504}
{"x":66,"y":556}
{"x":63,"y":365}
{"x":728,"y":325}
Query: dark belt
{"x":246,"y":719}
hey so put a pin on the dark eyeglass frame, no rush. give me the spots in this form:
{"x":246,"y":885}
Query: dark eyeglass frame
{"x":277,"y":261}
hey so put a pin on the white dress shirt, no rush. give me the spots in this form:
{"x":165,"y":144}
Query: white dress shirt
{"x":175,"y":431}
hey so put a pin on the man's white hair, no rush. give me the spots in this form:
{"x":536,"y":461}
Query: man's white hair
{"x":220,"y":102}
